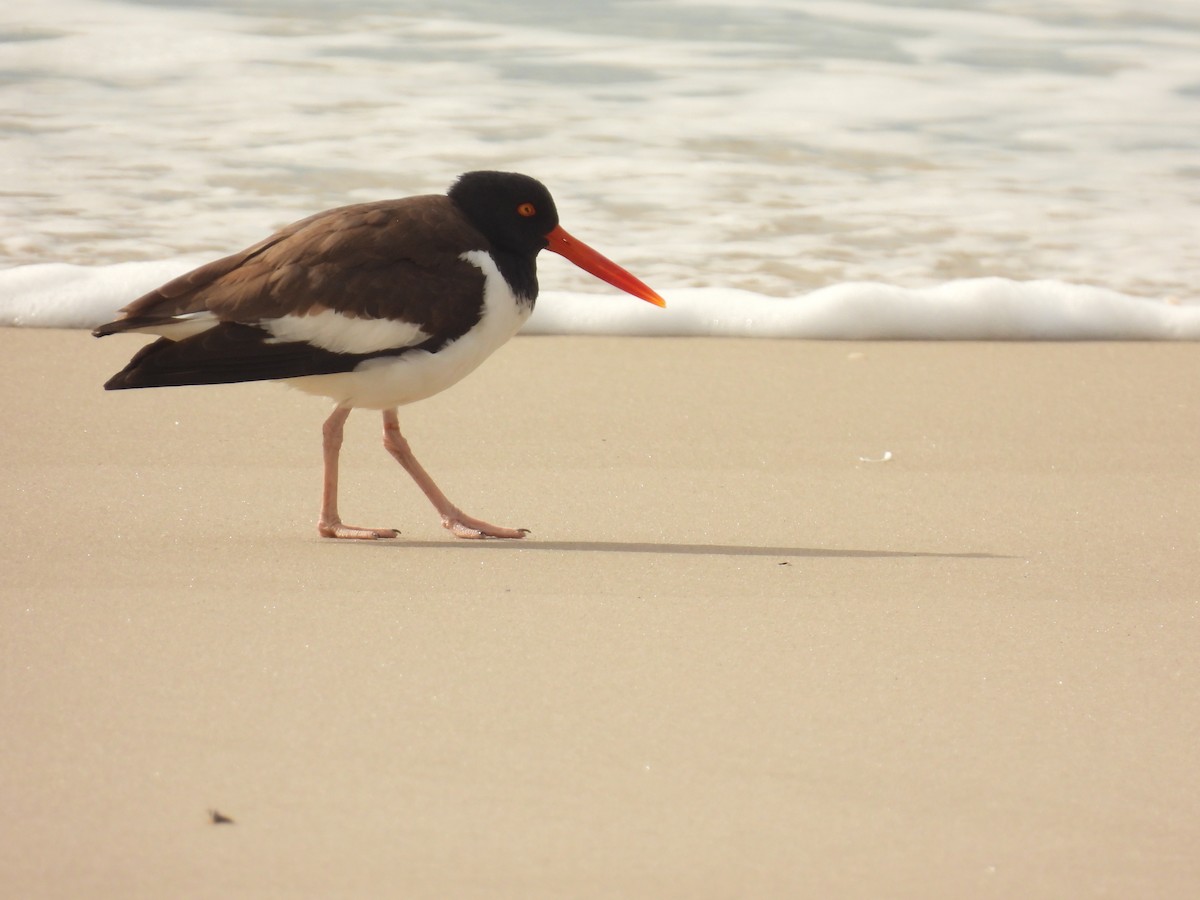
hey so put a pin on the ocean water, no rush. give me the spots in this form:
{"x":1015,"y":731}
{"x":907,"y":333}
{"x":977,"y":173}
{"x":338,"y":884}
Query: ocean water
{"x":815,"y":168}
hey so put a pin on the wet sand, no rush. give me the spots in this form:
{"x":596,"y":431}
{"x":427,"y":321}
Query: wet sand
{"x":740,"y":655}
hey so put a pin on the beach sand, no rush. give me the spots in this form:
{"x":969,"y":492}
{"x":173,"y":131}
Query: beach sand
{"x":733,"y":659}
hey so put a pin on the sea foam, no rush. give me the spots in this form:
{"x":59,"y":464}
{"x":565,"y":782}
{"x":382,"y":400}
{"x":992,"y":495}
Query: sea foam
{"x":774,"y":146}
{"x":56,"y":295}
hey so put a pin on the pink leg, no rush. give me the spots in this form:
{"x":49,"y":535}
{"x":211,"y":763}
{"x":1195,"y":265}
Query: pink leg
{"x":453,"y":518}
{"x":330,"y":524}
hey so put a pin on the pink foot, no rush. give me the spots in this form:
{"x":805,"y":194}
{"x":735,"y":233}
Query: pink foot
{"x":463,"y":526}
{"x":351,"y":533}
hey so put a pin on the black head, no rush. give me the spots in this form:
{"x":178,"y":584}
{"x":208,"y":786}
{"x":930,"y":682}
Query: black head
{"x":515,"y":212}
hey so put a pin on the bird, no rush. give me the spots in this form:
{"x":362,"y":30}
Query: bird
{"x":374,"y":305}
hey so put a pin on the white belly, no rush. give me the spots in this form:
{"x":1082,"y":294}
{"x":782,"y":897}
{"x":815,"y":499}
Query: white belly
{"x":386,"y":382}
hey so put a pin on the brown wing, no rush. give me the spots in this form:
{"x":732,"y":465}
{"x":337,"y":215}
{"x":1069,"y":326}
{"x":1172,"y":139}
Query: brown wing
{"x":394,"y":259}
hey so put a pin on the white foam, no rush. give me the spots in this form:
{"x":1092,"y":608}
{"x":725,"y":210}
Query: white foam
{"x":62,"y":296}
{"x":773,"y":146}
{"x":970,"y":309}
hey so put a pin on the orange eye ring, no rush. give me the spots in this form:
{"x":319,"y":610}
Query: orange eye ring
{"x":527,"y":210}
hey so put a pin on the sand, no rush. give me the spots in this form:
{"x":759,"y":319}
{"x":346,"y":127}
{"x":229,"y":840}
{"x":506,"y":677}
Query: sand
{"x":733,"y":659}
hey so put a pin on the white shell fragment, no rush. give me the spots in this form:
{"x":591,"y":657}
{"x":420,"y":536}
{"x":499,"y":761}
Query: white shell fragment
{"x":887,"y":455}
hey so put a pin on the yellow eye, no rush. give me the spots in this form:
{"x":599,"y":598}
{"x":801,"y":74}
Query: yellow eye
{"x":527,"y":210}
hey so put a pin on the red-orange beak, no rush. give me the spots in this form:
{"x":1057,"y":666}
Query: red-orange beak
{"x":601,"y":266}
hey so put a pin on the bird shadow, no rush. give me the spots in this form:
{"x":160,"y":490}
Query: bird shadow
{"x":683,"y":549}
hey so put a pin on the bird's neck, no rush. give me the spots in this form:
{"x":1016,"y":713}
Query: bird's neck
{"x":520,"y":271}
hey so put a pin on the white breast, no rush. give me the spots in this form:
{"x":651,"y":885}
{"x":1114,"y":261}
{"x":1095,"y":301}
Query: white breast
{"x":385,"y":382}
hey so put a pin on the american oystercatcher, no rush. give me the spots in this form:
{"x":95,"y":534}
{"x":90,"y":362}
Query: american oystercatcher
{"x":374,"y":305}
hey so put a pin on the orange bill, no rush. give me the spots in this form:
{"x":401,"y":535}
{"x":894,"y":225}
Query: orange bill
{"x":601,"y":266}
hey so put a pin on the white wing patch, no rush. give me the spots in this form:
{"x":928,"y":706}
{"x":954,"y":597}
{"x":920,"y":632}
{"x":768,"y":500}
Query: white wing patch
{"x":330,"y":330}
{"x":182,"y":326}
